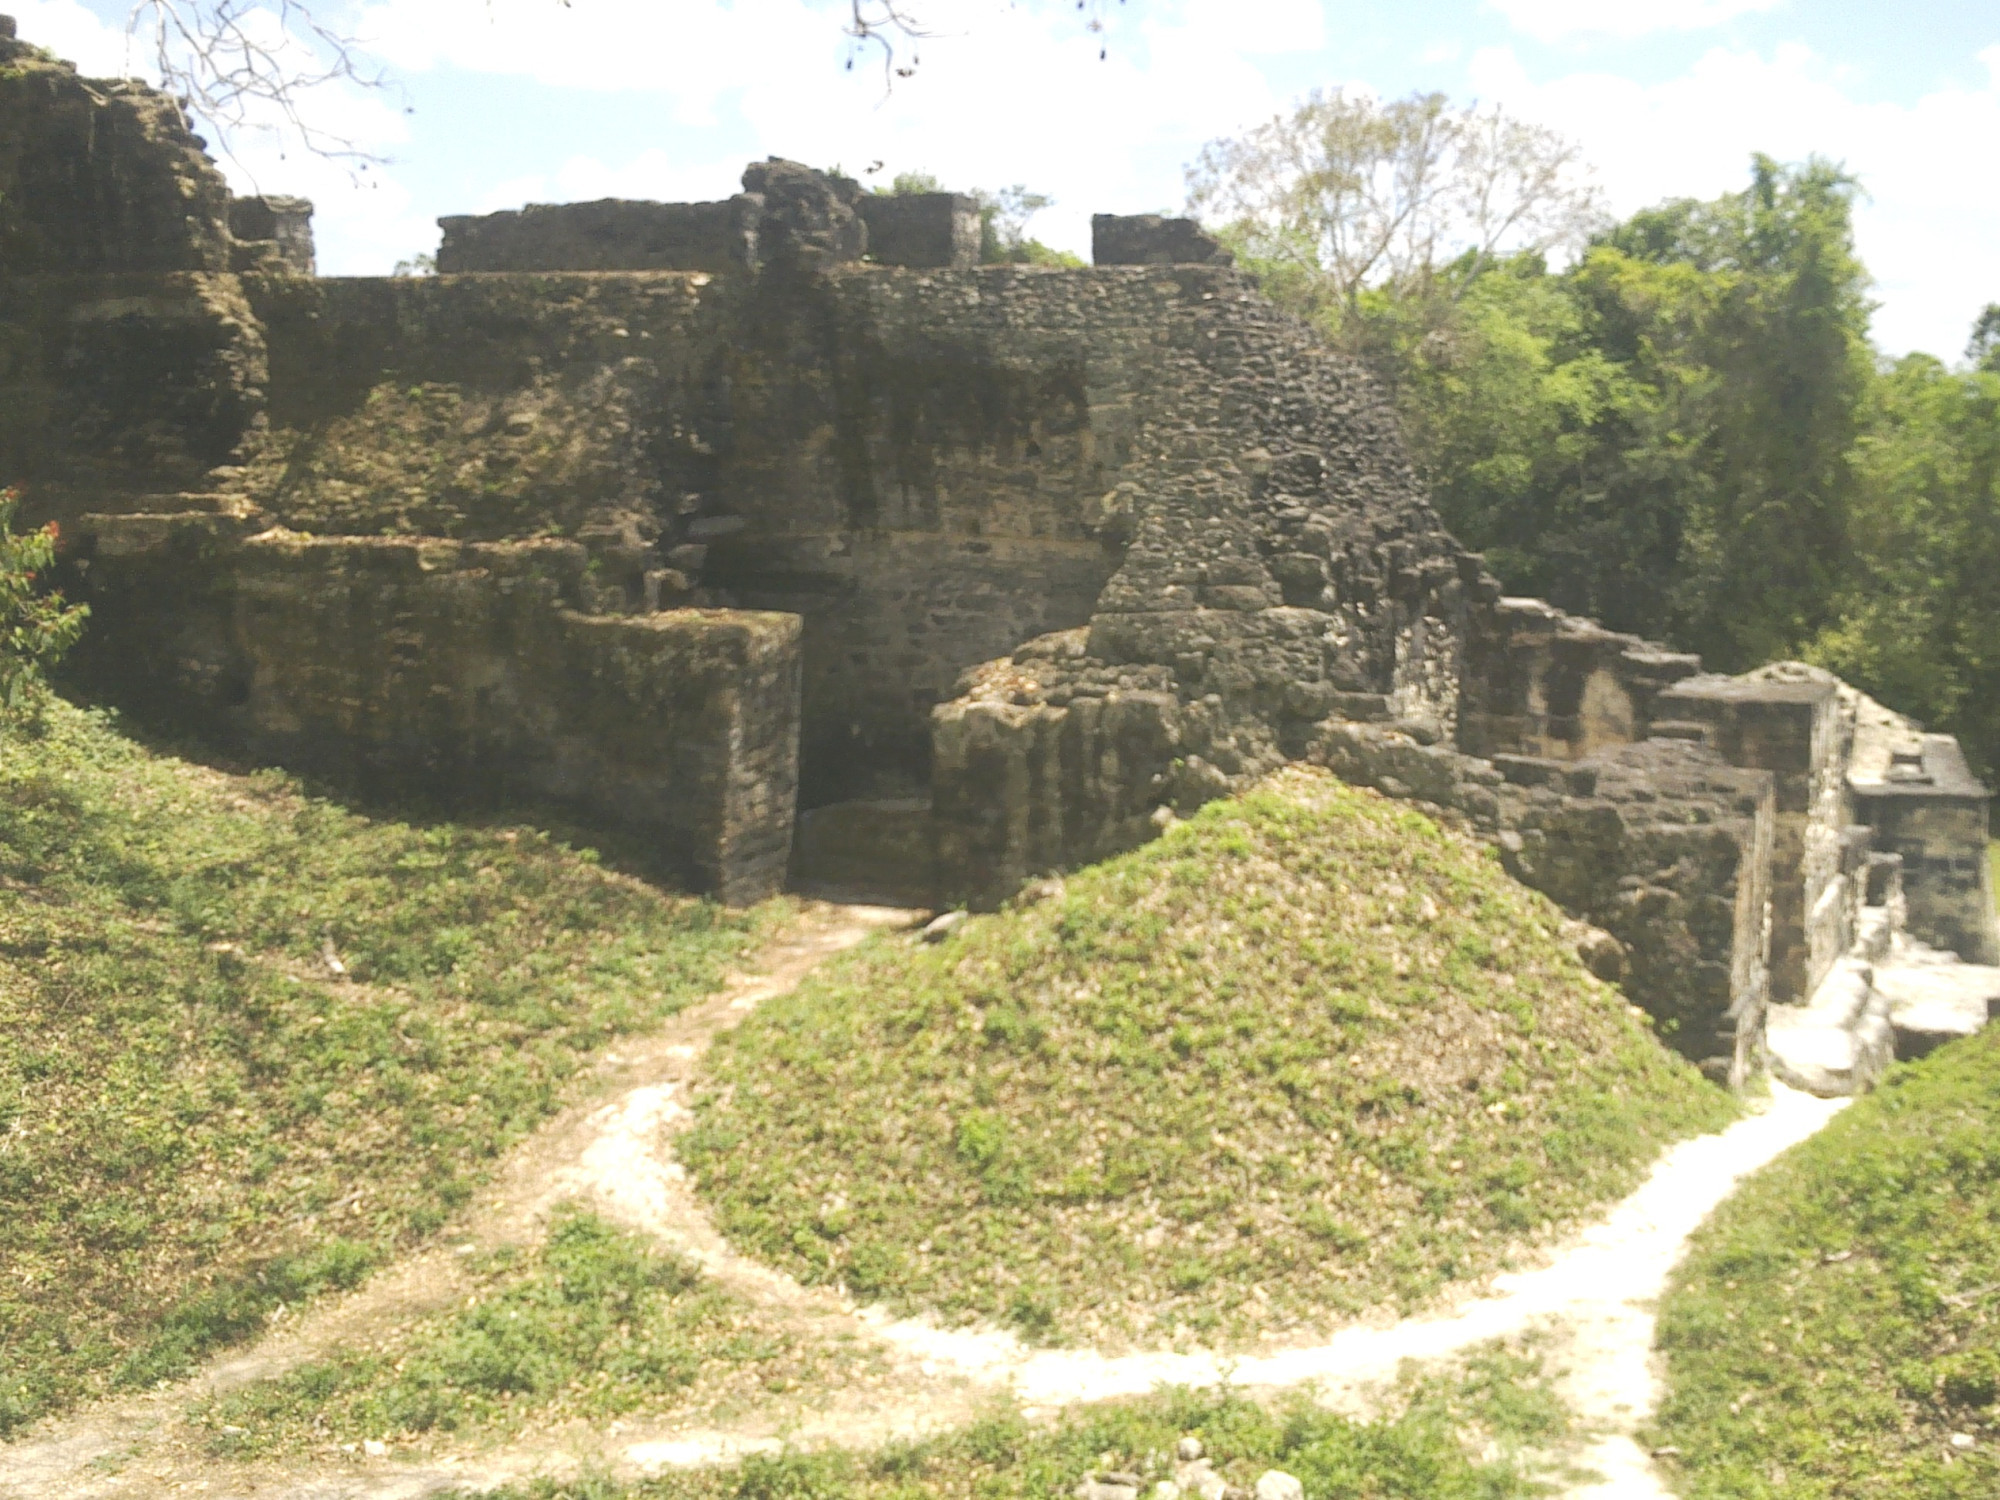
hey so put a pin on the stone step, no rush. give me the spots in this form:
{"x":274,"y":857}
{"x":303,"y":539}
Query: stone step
{"x":1840,"y":1042}
{"x":1678,"y":729}
{"x":1934,"y":999}
{"x":1866,"y":1015}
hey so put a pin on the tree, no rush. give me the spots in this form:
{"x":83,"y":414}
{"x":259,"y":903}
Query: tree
{"x":1983,"y":348}
{"x":1661,"y":434}
{"x":1347,"y":194}
{"x":1776,"y":345}
{"x":1917,"y":620}
{"x":36,"y":627}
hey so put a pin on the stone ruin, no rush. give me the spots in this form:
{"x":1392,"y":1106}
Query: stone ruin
{"x":779,"y":532}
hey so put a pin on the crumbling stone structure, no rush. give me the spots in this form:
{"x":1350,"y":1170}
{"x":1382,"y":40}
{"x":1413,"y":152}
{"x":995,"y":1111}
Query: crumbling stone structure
{"x":779,"y":529}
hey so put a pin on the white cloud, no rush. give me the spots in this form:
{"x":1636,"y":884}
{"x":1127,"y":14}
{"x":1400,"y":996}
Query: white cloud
{"x":1929,"y":229}
{"x":1561,"y":20}
{"x":98,"y":48}
{"x":1003,"y":93}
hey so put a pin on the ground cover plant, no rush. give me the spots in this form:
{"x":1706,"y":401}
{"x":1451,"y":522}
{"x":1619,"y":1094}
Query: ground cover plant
{"x":1307,"y":1054}
{"x":593,"y":1323}
{"x":1468,"y":1438}
{"x":1835,"y":1330}
{"x":252,"y":1043}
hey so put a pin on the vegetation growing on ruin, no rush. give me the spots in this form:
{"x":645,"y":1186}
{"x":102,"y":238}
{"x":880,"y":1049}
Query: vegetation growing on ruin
{"x":1308,"y":1054}
{"x":1466,"y":1434}
{"x":252,"y":1044}
{"x":37,"y":627}
{"x":1835,"y":1330}
{"x":593,"y":1323}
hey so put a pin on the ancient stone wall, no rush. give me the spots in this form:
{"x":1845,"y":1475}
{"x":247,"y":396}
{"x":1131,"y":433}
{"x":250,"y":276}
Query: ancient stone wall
{"x":277,"y":227}
{"x":1000,"y":567}
{"x":1542,"y":682}
{"x":935,"y":231}
{"x":1152,"y":240}
{"x":612,"y":234}
{"x":461,"y":670}
{"x":124,"y":383}
{"x":1927,"y":809}
{"x":1794,"y":728}
{"x":100,"y":175}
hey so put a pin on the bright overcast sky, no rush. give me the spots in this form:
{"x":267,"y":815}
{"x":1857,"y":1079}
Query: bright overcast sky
{"x":515,"y":101}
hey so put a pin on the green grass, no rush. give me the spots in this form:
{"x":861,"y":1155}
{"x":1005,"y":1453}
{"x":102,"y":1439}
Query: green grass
{"x":1307,"y":1054}
{"x":591,"y":1324}
{"x":198,"y":1122}
{"x":1838,"y":1320}
{"x":1421,"y":1454}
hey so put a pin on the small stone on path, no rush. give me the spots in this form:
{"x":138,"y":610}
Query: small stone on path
{"x":943,"y":927}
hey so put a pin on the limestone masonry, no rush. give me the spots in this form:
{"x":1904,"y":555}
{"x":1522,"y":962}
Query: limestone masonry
{"x":780,"y":531}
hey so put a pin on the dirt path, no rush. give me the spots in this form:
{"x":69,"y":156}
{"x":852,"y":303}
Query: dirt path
{"x":604,"y":1150}
{"x":1593,"y":1298}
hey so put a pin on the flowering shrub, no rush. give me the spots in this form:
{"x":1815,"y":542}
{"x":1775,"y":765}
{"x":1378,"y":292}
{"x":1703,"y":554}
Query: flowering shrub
{"x":36,"y":626}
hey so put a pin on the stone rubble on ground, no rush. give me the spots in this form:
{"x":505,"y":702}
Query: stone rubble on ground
{"x":1891,"y":998}
{"x":940,"y":928}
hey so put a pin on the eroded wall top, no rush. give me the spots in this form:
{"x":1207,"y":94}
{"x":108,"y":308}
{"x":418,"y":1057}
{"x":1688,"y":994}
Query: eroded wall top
{"x":100,"y":174}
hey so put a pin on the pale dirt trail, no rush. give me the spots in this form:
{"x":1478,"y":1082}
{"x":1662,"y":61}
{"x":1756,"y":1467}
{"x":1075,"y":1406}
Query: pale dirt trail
{"x":1592,"y":1297}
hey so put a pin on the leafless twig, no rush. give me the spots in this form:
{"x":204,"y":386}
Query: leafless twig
{"x":237,"y":64}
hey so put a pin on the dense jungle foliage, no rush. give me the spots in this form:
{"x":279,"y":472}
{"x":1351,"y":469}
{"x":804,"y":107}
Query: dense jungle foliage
{"x":1687,"y":433}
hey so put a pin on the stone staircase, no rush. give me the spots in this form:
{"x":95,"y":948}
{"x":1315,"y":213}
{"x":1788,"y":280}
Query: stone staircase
{"x":1892,"y":998}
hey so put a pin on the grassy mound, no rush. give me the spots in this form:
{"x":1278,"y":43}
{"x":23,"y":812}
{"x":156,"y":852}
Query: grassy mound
{"x":1306,"y":1054}
{"x":1837,"y":1323}
{"x":591,"y":1324}
{"x":198,"y":1118}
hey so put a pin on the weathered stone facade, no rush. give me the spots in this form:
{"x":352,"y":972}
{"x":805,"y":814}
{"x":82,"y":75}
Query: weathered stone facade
{"x":464,"y":669}
{"x":694,"y":515}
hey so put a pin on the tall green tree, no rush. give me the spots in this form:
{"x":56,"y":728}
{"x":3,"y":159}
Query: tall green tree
{"x":1917,"y":619}
{"x":1776,"y":346}
{"x":1659,"y":435}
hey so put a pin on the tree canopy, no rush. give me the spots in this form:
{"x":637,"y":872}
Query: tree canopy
{"x":1348,"y":193}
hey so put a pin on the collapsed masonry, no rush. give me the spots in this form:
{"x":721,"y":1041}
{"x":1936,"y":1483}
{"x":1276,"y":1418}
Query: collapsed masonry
{"x":780,"y":530}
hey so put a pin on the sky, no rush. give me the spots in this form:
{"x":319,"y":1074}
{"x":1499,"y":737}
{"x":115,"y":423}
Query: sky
{"x":497,"y":103}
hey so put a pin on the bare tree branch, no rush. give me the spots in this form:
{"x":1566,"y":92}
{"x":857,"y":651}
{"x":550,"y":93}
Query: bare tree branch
{"x":250,"y":65}
{"x":884,"y":25}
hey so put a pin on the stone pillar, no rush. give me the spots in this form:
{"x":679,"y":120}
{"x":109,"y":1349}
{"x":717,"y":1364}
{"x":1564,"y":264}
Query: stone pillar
{"x":1926,"y":806}
{"x":1793,"y":728}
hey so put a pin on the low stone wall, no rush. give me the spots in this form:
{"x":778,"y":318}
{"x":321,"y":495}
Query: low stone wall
{"x":611,"y":234}
{"x":1153,"y":240}
{"x":460,"y":670}
{"x":934,"y":230}
{"x":1542,"y":682}
{"x":1661,"y":844}
{"x":1929,"y":810}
